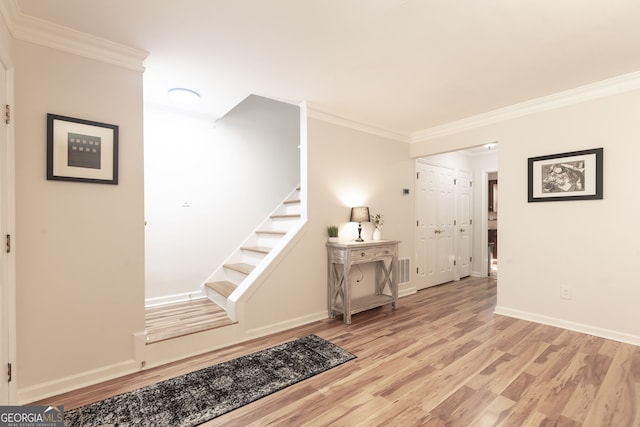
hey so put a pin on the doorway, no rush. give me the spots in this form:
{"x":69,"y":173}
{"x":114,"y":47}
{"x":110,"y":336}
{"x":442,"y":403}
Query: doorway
{"x":443,"y":224}
{"x":492,"y":224}
{"x":470,"y":170}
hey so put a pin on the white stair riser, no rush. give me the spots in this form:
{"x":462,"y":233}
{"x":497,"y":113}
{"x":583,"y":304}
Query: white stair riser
{"x":283,"y":224}
{"x":216,"y":298}
{"x":253,"y":258}
{"x":269,"y":240}
{"x":234,"y":276}
{"x":292,"y":208}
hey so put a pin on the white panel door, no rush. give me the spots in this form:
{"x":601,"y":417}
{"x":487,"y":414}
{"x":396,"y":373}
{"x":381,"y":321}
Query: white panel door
{"x":434,"y":223}
{"x":463,"y":226}
{"x":424,"y":236}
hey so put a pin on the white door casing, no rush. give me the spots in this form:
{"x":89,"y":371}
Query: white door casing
{"x":5,"y":256}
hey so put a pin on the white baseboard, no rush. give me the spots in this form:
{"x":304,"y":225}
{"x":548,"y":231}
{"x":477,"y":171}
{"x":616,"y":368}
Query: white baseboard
{"x":403,"y":291}
{"x":168,"y":299}
{"x":283,"y":326}
{"x":74,"y":382}
{"x":572,"y":326}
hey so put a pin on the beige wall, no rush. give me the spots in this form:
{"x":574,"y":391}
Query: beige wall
{"x":344,"y":166}
{"x":586,"y":245}
{"x":80,"y":247}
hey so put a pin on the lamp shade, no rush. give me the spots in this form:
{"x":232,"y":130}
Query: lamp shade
{"x":360,"y":214}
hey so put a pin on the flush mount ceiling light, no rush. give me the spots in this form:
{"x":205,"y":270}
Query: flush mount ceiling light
{"x":185,"y":96}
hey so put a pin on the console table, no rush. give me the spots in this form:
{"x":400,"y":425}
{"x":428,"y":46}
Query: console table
{"x":342,"y":256}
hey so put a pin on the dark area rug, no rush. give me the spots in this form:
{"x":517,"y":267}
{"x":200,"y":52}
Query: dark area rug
{"x":200,"y":396}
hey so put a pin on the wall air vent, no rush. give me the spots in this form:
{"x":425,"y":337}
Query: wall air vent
{"x":404,"y":270}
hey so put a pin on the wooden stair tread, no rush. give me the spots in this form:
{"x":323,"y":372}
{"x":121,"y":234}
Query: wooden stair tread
{"x":240,"y":267}
{"x":224,"y":287}
{"x":276,"y":232}
{"x":259,"y":249}
{"x":285,"y":216}
{"x":292,"y":201}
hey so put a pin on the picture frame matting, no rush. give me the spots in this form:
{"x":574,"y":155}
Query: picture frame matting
{"x":575,"y":175}
{"x":81,"y":150}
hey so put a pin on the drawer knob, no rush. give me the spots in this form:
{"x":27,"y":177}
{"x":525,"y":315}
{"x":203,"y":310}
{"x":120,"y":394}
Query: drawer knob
{"x":362,"y":254}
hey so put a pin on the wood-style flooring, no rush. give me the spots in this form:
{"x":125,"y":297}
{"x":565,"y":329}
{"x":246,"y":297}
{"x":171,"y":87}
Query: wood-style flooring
{"x":168,"y":321}
{"x":443,"y":358}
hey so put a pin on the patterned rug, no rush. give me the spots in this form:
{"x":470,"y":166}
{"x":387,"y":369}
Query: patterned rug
{"x":200,"y":396}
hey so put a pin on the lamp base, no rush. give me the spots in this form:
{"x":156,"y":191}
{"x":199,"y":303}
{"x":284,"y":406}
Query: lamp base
{"x":359,"y":239}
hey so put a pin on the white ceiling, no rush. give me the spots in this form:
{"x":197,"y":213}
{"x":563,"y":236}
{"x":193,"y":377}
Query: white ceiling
{"x":400,"y":65}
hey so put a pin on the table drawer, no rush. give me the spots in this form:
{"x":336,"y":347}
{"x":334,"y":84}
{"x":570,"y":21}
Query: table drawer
{"x":389,"y":250}
{"x":358,"y":255}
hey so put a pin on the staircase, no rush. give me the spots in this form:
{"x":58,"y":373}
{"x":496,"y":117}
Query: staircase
{"x":241,"y":269}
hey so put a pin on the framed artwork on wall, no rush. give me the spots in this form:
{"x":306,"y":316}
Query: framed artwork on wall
{"x":81,"y":150}
{"x":575,"y":175}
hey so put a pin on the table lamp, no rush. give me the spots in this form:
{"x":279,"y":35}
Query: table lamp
{"x":360,"y":215}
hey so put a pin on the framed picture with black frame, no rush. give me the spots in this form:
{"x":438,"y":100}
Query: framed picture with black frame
{"x":81,"y":150}
{"x":576,"y":175}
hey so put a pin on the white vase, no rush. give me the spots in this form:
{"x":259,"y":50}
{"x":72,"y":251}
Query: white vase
{"x":377,"y":235}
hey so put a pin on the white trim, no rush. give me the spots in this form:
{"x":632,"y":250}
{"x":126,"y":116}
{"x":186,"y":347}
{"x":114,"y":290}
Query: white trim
{"x":74,"y":382}
{"x":169,"y":299}
{"x":44,"y":33}
{"x":484,"y":223}
{"x":320,"y":113}
{"x":613,"y":86}
{"x":406,"y":289}
{"x":263,"y":331}
{"x":10,"y":212}
{"x":567,"y":324}
{"x":8,"y":225}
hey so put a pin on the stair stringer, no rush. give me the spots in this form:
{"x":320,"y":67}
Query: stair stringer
{"x":288,"y":226}
{"x":263,"y":270}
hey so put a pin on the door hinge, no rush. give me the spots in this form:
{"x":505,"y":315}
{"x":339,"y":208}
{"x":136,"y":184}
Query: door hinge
{"x":470,"y":259}
{"x":455,"y":222}
{"x":417,"y":223}
{"x":455,"y":181}
{"x":7,"y":114}
{"x":417,"y":270}
{"x":9,"y":373}
{"x":8,"y":243}
{"x":455,"y":262}
{"x":470,"y":221}
{"x":470,"y":183}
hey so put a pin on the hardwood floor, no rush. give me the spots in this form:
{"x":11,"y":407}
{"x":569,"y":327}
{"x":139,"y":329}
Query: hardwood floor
{"x":441,"y":359}
{"x":174,"y":320}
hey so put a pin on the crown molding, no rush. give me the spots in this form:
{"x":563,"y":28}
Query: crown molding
{"x":44,"y":33}
{"x":601,"y":89}
{"x":319,"y":113}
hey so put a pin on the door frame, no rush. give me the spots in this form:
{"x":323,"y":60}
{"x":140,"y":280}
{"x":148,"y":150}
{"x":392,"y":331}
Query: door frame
{"x":8,"y":227}
{"x":484,"y":221}
{"x":456,"y":243}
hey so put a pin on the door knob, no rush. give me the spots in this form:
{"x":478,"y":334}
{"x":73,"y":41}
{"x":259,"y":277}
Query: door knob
{"x":462,"y":230}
